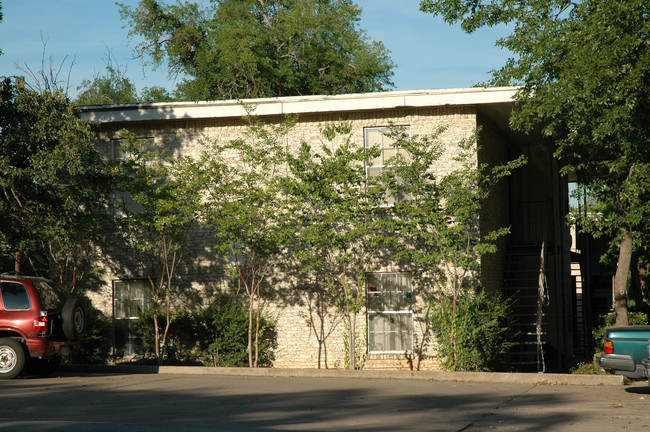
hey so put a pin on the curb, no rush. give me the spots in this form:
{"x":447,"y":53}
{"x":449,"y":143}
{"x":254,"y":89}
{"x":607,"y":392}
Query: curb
{"x":477,"y":377}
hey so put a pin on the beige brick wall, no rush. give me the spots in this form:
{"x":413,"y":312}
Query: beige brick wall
{"x":310,"y":332}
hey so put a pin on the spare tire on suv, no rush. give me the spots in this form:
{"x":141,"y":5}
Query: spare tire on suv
{"x":74,"y":319}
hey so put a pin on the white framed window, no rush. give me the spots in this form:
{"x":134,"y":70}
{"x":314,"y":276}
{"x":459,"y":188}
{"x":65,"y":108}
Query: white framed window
{"x":389,"y":312}
{"x":378,"y":137}
{"x":116,"y":149}
{"x":130,"y":299}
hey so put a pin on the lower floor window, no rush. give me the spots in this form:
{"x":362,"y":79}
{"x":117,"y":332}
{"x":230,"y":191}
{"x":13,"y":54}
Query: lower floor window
{"x":130,"y":299}
{"x":390,"y":315}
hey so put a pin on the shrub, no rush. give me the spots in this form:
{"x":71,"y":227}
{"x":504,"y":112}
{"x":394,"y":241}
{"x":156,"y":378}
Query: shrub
{"x":215,"y":336}
{"x":481,"y":328}
{"x":591,"y":368}
{"x":96,"y":342}
{"x":226,"y":334}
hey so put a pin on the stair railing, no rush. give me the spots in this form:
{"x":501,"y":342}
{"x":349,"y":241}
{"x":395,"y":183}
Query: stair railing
{"x":542,"y":302}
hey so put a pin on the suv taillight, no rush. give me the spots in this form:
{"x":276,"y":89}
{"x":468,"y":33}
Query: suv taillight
{"x":40,"y":324}
{"x":609,"y":347}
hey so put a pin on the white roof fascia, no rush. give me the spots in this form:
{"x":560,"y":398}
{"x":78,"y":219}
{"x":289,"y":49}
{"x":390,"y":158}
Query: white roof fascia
{"x":298,"y":104}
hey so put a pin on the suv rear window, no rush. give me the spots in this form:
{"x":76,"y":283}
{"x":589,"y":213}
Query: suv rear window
{"x":14,"y":296}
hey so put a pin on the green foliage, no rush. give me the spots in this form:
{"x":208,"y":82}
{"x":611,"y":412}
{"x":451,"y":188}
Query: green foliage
{"x":473,"y":330}
{"x":158,"y":212}
{"x":360,"y":350}
{"x":334,"y":208}
{"x":590,"y":368}
{"x":111,"y":89}
{"x":96,"y":342}
{"x":214,"y":336}
{"x":584,"y":71}
{"x":115,"y":87}
{"x":244,"y":206}
{"x":54,"y":185}
{"x":436,"y":229}
{"x":156,"y":94}
{"x":179,"y":346}
{"x":225,"y":322}
{"x":234,"y":49}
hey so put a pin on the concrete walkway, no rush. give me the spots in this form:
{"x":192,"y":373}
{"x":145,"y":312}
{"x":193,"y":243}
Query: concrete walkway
{"x":478,"y":377}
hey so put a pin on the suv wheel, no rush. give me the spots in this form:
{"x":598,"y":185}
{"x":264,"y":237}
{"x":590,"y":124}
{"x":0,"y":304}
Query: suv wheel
{"x":74,"y":319}
{"x":12,"y":358}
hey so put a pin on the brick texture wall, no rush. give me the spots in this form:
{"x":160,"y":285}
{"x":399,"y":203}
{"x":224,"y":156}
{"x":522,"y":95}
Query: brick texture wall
{"x":310,"y":332}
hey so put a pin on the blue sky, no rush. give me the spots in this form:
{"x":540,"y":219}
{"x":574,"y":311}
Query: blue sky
{"x":429,"y":53}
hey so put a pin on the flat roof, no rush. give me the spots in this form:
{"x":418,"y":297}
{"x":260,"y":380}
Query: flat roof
{"x":299,"y":104}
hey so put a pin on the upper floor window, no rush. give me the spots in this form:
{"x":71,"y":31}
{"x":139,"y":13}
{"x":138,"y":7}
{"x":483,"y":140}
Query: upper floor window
{"x":379,"y":137}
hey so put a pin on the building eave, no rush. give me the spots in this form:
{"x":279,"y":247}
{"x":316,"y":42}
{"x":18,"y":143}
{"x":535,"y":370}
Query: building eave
{"x":299,"y":104}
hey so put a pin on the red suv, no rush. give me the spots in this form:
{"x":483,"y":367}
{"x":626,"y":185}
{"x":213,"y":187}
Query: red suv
{"x":34,"y":334}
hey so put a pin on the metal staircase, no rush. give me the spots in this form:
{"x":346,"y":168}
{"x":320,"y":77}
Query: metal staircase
{"x":525,"y":284}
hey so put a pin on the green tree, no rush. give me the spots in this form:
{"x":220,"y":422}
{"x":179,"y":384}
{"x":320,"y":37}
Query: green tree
{"x":115,"y":87}
{"x":232,"y":49}
{"x":155,"y":94}
{"x":243,"y":204}
{"x":111,"y":89}
{"x":158,"y":211}
{"x":53,"y":184}
{"x":436,"y":229}
{"x":335,"y":208}
{"x":584,"y":68}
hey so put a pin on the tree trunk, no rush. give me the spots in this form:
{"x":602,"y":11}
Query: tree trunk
{"x":167,"y":324}
{"x":17,"y":263}
{"x":257,"y":327}
{"x":620,"y":279}
{"x":251,"y":305}
{"x":156,"y":332}
{"x":352,"y":352}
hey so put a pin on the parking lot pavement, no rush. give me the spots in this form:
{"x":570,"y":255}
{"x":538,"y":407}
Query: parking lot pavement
{"x":80,"y":401}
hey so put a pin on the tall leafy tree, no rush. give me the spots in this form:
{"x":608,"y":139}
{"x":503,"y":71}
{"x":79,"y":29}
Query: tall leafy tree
{"x":335,"y":208}
{"x":584,"y":68}
{"x":231,"y":49}
{"x":111,"y":89}
{"x":436,"y":229}
{"x":158,"y":210}
{"x":115,"y":87}
{"x":53,"y":183}
{"x":244,"y":206}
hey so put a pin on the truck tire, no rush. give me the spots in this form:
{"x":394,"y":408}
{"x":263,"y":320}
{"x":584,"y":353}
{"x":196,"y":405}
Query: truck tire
{"x":74,"y":319}
{"x":12,"y":358}
{"x":42,"y":367}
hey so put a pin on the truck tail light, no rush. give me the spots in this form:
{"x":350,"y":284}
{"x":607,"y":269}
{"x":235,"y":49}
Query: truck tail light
{"x":40,"y":324}
{"x":609,"y":347}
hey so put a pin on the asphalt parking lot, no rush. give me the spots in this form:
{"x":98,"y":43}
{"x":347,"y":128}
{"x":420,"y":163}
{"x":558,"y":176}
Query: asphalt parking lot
{"x":74,"y":400}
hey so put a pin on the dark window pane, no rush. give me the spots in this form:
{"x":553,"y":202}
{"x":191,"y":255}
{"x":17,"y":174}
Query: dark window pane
{"x":14,"y":296}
